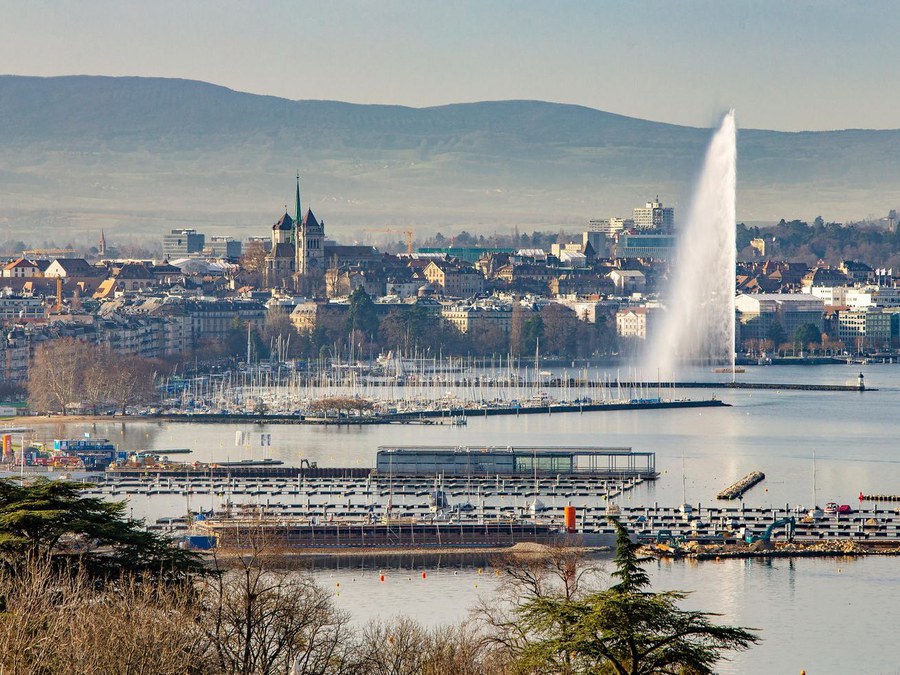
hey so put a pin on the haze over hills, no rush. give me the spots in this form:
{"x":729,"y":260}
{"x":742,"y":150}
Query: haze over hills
{"x":141,"y":155}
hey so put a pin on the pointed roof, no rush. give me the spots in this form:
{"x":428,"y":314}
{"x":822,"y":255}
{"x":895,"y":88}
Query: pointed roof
{"x":310,"y":219}
{"x":298,"y":211}
{"x":284,"y":223}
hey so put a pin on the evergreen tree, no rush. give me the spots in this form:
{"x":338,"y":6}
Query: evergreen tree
{"x":52,"y":520}
{"x":625,"y":629}
{"x":362,"y":315}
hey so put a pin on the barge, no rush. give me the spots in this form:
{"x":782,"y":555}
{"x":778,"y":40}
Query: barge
{"x":293,"y":534}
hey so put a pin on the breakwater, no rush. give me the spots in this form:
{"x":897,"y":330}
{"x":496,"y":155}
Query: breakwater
{"x":447,"y":414}
{"x":740,"y":487}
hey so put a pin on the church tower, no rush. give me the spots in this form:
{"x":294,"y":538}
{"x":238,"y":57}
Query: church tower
{"x":310,"y":242}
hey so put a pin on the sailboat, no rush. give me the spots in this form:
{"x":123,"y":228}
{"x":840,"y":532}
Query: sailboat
{"x":687,"y":511}
{"x":536,"y":505}
{"x":815,"y":512}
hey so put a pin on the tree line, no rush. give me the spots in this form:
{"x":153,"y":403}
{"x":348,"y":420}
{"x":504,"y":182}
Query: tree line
{"x":69,"y":375}
{"x":831,"y":242}
{"x":85,"y":590}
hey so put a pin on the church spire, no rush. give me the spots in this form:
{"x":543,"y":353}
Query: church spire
{"x":299,"y":213}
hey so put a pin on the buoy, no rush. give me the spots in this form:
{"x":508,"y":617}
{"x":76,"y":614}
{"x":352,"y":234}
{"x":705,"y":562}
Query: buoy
{"x":424,"y":575}
{"x":339,"y":584}
{"x":381,"y":578}
{"x":480,"y":570}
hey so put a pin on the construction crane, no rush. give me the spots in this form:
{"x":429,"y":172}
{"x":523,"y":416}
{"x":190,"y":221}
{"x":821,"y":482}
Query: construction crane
{"x":40,"y":252}
{"x":408,"y":234}
{"x":59,"y":303}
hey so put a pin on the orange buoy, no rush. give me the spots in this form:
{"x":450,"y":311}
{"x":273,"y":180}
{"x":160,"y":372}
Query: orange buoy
{"x":424,"y":575}
{"x":381,"y":578}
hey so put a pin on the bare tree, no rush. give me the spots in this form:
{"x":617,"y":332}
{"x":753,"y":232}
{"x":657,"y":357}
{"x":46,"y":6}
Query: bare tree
{"x":258,"y":620}
{"x":56,"y":374}
{"x":55,"y":622}
{"x":553,"y":571}
{"x":404,"y":647}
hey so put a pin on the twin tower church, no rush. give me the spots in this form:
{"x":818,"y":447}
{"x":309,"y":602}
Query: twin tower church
{"x":298,"y":248}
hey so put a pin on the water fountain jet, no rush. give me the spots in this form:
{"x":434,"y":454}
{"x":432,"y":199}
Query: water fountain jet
{"x":698,"y":325}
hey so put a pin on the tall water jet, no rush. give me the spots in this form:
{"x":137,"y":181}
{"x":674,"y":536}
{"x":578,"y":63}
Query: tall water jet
{"x":698,"y":325}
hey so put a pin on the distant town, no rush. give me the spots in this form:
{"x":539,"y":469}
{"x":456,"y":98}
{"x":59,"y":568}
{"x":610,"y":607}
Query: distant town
{"x":292,"y":293}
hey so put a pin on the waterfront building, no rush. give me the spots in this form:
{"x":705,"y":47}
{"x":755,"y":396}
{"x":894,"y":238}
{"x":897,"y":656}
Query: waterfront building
{"x":758,"y":313}
{"x":514,"y":461}
{"x":479,"y":316}
{"x":864,"y":328}
{"x":636,"y":322}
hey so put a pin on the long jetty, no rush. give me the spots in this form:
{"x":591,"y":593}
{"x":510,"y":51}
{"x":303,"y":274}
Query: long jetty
{"x":644,"y":385}
{"x":405,"y":417}
{"x":737,"y":489}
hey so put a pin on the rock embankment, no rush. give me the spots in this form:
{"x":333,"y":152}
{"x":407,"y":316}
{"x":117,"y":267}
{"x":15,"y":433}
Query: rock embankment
{"x":743,"y":485}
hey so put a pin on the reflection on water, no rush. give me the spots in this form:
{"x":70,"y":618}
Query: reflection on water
{"x":821,"y":615}
{"x":824,"y":615}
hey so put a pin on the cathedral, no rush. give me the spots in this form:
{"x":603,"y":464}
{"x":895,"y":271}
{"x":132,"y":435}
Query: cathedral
{"x":298,"y":249}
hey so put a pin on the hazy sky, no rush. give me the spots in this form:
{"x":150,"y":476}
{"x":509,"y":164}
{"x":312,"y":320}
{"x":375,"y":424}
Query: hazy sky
{"x":782,"y":65}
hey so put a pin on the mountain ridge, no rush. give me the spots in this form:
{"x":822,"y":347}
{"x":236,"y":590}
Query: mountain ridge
{"x":134,"y":154}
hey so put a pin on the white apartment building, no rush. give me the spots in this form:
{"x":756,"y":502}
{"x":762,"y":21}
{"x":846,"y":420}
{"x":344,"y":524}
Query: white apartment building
{"x":864,"y":328}
{"x":654,"y":216}
{"x":636,"y":322}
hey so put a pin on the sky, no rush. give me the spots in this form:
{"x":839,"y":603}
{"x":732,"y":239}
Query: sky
{"x":783,"y":65}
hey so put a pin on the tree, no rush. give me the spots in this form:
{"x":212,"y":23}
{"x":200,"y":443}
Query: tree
{"x":807,"y":334}
{"x":261,"y":620}
{"x":362,"y":315}
{"x":57,"y":373}
{"x":278,"y":332}
{"x":560,"y":329}
{"x":51,"y":520}
{"x":527,"y":328}
{"x":624,"y":629}
{"x":130,"y":380}
{"x":57,"y":622}
{"x":776,"y":333}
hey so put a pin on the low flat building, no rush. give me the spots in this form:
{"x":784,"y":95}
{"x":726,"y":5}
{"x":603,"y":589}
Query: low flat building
{"x":656,"y":246}
{"x":758,"y":313}
{"x":514,"y":461}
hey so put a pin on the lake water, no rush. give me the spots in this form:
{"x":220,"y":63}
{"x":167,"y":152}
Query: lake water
{"x":827,"y":616}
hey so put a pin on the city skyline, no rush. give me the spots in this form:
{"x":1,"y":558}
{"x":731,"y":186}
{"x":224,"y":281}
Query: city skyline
{"x":778,"y":65}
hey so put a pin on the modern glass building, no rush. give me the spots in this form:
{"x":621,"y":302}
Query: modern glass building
{"x":514,"y":461}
